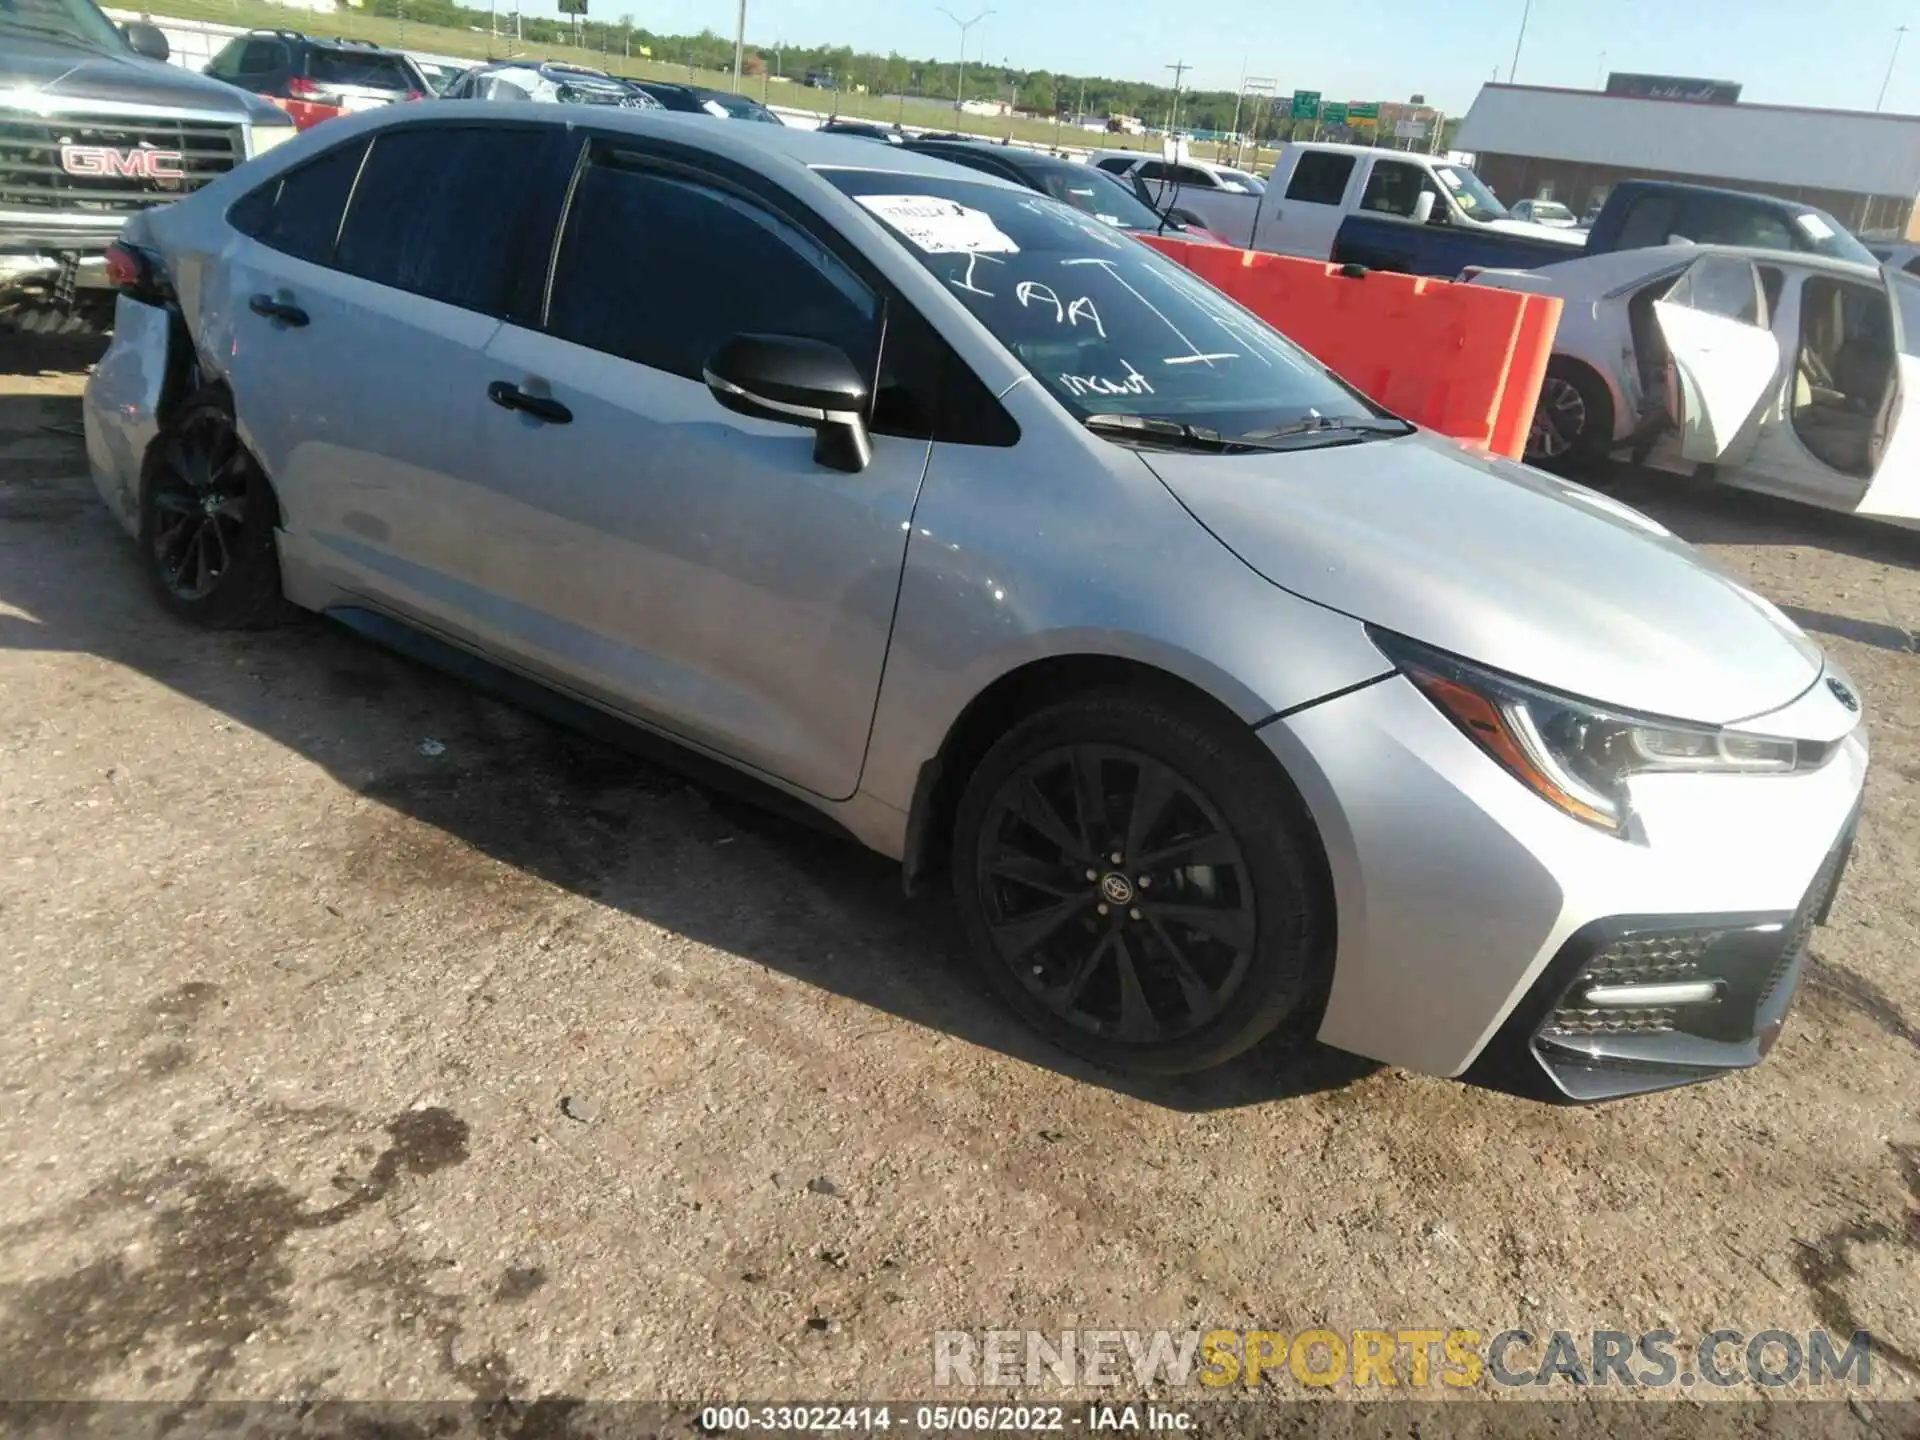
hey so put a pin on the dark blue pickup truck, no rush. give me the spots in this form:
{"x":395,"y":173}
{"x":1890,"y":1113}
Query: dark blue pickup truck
{"x":1425,"y":215}
{"x":1638,"y":214}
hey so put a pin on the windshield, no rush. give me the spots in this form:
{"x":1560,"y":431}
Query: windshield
{"x":1471,"y":194}
{"x":1827,"y":236}
{"x":738,"y":106}
{"x":75,"y":21}
{"x":1108,"y":325}
{"x":1252,"y":184}
{"x":1096,"y":193}
{"x":358,"y":67}
{"x":1550,"y":210}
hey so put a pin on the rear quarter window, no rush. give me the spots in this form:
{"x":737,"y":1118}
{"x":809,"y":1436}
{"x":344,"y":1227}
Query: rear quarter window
{"x":298,"y":213}
{"x":1320,"y":177}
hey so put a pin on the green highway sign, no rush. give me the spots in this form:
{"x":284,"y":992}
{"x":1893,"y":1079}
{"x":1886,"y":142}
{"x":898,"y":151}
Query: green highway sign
{"x":1306,"y":104}
{"x":1334,"y":112}
{"x":1364,"y":109}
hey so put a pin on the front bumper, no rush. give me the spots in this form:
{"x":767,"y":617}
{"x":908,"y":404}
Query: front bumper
{"x":1472,"y":915}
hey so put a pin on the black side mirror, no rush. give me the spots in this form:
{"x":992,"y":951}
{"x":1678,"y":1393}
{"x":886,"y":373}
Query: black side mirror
{"x":147,"y":40}
{"x":800,"y":382}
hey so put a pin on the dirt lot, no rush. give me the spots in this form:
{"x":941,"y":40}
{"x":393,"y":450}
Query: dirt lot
{"x":363,"y":1037}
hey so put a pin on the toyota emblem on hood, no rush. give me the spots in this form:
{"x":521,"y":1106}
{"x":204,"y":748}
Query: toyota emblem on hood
{"x":1843,"y":693}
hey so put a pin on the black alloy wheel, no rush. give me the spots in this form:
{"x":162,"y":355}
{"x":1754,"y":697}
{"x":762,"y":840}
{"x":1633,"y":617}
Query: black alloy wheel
{"x":1140,"y":881}
{"x":1115,"y":893}
{"x":207,"y":520}
{"x":199,"y":486}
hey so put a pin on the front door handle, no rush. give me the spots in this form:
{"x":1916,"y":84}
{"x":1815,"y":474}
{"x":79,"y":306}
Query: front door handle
{"x":509,"y":396}
{"x":277,"y":310}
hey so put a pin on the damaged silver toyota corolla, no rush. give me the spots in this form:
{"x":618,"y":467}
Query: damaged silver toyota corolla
{"x":1231,"y":705}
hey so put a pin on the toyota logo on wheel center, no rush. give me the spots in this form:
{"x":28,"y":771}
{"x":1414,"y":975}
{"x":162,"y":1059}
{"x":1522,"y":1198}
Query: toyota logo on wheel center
{"x":1117,"y":888}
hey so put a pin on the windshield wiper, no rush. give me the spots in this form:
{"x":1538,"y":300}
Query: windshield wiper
{"x":1177,"y":435}
{"x":1339,"y":429}
{"x":1171,"y":433}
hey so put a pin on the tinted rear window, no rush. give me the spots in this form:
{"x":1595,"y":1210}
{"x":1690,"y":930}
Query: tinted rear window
{"x":436,"y":208}
{"x":357,"y":67}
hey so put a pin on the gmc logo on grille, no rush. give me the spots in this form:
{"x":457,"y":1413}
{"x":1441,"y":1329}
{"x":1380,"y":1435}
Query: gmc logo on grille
{"x":141,"y":164}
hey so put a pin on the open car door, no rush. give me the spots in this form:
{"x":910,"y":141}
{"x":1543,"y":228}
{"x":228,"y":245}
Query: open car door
{"x":1894,"y":491}
{"x":1726,"y":363}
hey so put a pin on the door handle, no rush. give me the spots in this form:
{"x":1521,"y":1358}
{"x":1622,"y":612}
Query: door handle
{"x":277,"y":310}
{"x":509,"y":396}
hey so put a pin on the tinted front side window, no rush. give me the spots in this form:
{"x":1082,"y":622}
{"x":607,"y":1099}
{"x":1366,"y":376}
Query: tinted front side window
{"x":227,"y":63}
{"x":262,"y":57}
{"x":1392,"y":188}
{"x":436,"y":208}
{"x":1105,"y":323}
{"x":1649,"y":222}
{"x":1320,"y":177}
{"x":299,"y":212}
{"x":661,"y":270}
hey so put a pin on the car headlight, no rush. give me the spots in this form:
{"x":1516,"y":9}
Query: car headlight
{"x":1575,"y":755}
{"x":265,"y":137}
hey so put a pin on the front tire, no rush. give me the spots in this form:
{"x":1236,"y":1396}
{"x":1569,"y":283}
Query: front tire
{"x":207,"y":521}
{"x":1139,"y":881}
{"x":1572,"y":429}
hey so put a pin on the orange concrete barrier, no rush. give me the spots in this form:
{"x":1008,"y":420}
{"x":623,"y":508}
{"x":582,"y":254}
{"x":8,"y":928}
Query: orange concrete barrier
{"x":1458,"y":359}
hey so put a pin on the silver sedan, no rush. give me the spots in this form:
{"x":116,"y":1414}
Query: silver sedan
{"x":1228,"y":705}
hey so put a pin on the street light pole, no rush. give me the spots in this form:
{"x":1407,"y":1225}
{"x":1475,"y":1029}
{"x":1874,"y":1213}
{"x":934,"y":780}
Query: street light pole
{"x":1898,"y":32}
{"x":960,"y":85}
{"x":1519,"y":40}
{"x":739,"y":44}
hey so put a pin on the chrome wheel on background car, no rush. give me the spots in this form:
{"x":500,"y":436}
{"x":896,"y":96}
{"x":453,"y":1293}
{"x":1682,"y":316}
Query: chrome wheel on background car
{"x":1572,"y":425}
{"x":1138,"y":880}
{"x":1559,"y":421}
{"x":207,"y":518}
{"x":1115,"y":893}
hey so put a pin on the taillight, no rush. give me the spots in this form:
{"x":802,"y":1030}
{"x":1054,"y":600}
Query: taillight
{"x":301,"y":86}
{"x":132,"y":271}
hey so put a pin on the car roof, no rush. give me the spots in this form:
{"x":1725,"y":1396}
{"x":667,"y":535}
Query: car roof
{"x":762,"y":147}
{"x":1805,"y":259}
{"x":1341,"y":149}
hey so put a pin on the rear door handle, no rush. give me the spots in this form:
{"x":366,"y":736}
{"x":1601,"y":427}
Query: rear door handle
{"x":509,"y":396}
{"x":277,"y":310}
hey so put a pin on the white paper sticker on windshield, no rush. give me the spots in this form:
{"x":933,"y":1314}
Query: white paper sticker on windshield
{"x":1814,"y":226}
{"x":941,"y":227}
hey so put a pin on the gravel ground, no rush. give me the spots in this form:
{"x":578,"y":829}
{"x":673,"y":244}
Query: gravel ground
{"x":364,"y":1037}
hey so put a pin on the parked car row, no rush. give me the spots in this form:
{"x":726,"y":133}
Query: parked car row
{"x":314,"y":79}
{"x":920,"y":495}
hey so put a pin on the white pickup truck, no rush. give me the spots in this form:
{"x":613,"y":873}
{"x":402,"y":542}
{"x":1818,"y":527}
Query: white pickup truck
{"x":1387,"y":209}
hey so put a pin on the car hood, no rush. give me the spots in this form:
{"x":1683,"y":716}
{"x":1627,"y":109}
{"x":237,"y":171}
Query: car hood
{"x":80,"y":75}
{"x":1505,"y":565}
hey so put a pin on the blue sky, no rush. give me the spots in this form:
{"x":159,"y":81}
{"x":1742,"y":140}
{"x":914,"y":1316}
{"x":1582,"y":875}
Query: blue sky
{"x":1385,"y":49}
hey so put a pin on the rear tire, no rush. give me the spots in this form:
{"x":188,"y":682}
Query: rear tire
{"x":207,"y":521}
{"x":1572,"y":430}
{"x":1173,"y":958}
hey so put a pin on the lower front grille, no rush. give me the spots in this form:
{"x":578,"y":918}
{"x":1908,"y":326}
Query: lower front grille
{"x":111,"y":164}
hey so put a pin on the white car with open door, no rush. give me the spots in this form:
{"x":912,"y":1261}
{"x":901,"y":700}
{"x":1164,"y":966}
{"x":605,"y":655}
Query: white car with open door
{"x":1787,"y":373}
